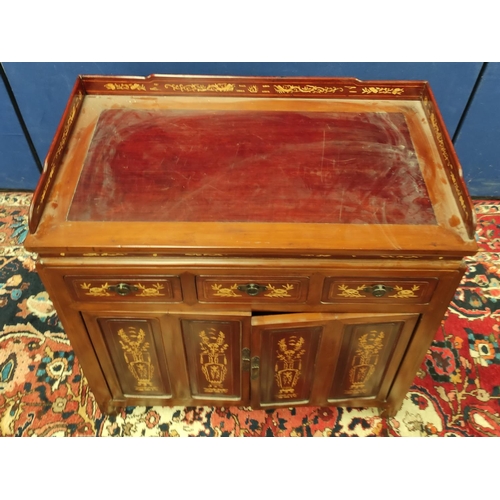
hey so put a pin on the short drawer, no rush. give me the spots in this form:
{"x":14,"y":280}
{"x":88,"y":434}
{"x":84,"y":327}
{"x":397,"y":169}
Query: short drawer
{"x":386,"y":290}
{"x":125,"y":288}
{"x":246,"y":289}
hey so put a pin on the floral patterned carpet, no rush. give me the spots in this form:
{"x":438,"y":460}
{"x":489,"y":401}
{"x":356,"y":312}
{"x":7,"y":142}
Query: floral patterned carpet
{"x":43,"y":391}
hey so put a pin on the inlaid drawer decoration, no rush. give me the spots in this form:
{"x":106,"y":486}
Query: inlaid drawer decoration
{"x":378,"y":290}
{"x":254,"y":288}
{"x":164,"y":289}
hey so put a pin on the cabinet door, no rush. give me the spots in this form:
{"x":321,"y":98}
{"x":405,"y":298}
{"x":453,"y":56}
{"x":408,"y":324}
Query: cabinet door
{"x":132,"y":356}
{"x":325,"y":359}
{"x":217,"y":358}
{"x":173,"y":359}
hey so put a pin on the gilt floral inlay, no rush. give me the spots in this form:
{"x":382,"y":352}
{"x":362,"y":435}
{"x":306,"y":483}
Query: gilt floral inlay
{"x":138,"y":357}
{"x":152,"y":291}
{"x":125,"y":86}
{"x":405,"y":294}
{"x":382,"y":90}
{"x":351,"y":292}
{"x":306,"y":89}
{"x":446,"y":158}
{"x":62,"y":144}
{"x":143,"y":290}
{"x":271,"y":291}
{"x":365,"y":361}
{"x":213,"y":360}
{"x":355,"y":293}
{"x":288,"y":367}
{"x":225,"y":292}
{"x":199,"y":87}
{"x":279,"y":292}
{"x":96,"y":291}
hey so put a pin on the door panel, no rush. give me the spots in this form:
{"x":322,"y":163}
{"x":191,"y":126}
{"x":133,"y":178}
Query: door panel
{"x":288,"y":359}
{"x":214,"y":358}
{"x":322,"y":359}
{"x":135,"y":353}
{"x":369,"y":356}
{"x":285,"y":360}
{"x":132,"y":356}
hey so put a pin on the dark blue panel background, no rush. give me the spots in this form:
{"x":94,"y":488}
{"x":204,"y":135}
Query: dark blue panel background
{"x":18,"y":169}
{"x":42,"y":89}
{"x":478,"y":142}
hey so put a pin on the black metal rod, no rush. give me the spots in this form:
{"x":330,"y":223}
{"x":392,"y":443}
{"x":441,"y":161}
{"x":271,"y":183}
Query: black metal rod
{"x":469,"y":102}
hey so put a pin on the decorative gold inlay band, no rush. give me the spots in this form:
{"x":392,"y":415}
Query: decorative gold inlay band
{"x":357,"y":293}
{"x":446,"y":158}
{"x":383,"y":90}
{"x":271,"y":291}
{"x":252,"y":88}
{"x":143,"y":290}
{"x":306,"y":89}
{"x":198,"y":87}
{"x":125,"y":86}
{"x":62,"y":143}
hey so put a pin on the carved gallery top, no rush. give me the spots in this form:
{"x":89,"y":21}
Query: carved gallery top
{"x":253,"y":164}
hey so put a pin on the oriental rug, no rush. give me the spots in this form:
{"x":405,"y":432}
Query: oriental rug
{"x":43,"y":391}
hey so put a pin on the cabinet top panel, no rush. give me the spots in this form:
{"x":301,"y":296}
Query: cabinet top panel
{"x":211,"y":165}
{"x":239,"y":164}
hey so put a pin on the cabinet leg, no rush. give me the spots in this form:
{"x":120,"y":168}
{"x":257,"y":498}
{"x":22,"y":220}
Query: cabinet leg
{"x":389,"y":411}
{"x":111,"y":409}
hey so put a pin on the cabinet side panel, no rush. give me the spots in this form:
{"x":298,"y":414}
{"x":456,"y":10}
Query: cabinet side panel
{"x":213,"y":355}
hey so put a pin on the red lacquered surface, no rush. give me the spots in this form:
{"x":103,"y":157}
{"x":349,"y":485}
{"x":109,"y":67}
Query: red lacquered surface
{"x":251,"y":166}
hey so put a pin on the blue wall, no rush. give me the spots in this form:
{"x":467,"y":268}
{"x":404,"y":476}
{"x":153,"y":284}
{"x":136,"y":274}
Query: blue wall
{"x":41,"y":91}
{"x":18,"y":169}
{"x":478,"y":141}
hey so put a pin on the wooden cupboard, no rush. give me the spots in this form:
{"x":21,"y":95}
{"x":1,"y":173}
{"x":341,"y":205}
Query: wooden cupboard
{"x":251,"y":241}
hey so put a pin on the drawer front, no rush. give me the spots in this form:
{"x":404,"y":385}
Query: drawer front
{"x":245,"y":289}
{"x":374,"y":290}
{"x":125,"y":289}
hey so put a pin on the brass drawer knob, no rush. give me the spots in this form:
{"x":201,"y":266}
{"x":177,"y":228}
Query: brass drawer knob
{"x":123,"y":288}
{"x":378,"y":290}
{"x":252,"y":289}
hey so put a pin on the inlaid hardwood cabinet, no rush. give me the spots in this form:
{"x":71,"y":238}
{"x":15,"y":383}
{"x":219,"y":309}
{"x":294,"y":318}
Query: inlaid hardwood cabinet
{"x":258,"y":242}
